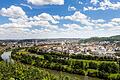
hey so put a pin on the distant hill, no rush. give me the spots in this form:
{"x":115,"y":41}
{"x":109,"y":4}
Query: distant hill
{"x":93,"y":39}
{"x":116,"y":37}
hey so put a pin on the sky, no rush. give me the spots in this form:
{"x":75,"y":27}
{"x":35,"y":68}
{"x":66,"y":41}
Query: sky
{"x":40,"y":19}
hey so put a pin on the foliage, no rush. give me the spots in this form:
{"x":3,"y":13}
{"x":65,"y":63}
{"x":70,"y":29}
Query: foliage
{"x":93,"y":39}
{"x":109,"y":67}
{"x":91,"y":66}
{"x":92,"y":73}
{"x":19,"y":71}
{"x":114,"y":77}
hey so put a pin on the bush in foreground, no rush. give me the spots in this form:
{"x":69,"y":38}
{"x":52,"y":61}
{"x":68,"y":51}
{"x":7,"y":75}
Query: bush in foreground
{"x":19,"y":71}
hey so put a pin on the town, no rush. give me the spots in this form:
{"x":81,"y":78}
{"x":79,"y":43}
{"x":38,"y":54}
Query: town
{"x":97,"y":57}
{"x":68,"y":46}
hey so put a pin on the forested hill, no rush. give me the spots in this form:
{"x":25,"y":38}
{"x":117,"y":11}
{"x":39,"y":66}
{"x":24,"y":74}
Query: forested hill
{"x":93,"y":39}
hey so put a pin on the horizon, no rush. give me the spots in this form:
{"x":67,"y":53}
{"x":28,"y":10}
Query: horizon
{"x":57,"y":38}
{"x":51,"y":19}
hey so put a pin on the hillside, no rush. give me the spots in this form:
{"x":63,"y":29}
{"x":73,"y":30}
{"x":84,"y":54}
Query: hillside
{"x":93,"y":39}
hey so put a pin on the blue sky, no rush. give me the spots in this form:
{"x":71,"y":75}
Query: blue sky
{"x":26,"y":19}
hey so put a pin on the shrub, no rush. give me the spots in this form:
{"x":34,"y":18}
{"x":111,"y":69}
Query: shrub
{"x":92,"y":73}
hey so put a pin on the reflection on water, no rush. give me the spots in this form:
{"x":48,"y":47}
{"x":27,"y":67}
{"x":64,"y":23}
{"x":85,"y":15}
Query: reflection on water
{"x":6,"y":56}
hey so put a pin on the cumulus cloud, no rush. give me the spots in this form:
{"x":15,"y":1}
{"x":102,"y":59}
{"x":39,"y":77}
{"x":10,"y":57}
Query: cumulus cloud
{"x":94,"y":1}
{"x":90,"y":8}
{"x":114,"y":28}
{"x":46,"y":2}
{"x":78,"y":27}
{"x":12,"y":11}
{"x":77,"y":16}
{"x":71,"y":8}
{"x":57,"y":17}
{"x":98,"y":21}
{"x":45,"y":17}
{"x":117,"y":20}
{"x":103,"y":5}
{"x":20,"y":23}
{"x":80,"y":17}
{"x":45,"y":25}
{"x":72,"y":26}
{"x":109,"y":5}
{"x":89,"y":24}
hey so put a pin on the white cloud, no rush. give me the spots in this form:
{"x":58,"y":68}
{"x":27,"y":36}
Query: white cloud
{"x":56,"y":17}
{"x":88,"y":28}
{"x":103,"y":5}
{"x":72,"y":26}
{"x":46,"y":2}
{"x":114,"y":28}
{"x":90,"y":24}
{"x":78,"y":27}
{"x":77,"y":16}
{"x":109,"y":5}
{"x":45,"y":17}
{"x":90,"y":8}
{"x":12,"y":11}
{"x":26,"y":5}
{"x":94,"y":1}
{"x":71,"y":8}
{"x":117,"y":20}
{"x":80,"y":17}
{"x":39,"y":23}
{"x":98,"y":21}
{"x":21,"y":24}
{"x":45,"y":25}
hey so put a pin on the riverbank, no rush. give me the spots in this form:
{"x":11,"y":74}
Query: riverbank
{"x":101,"y":69}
